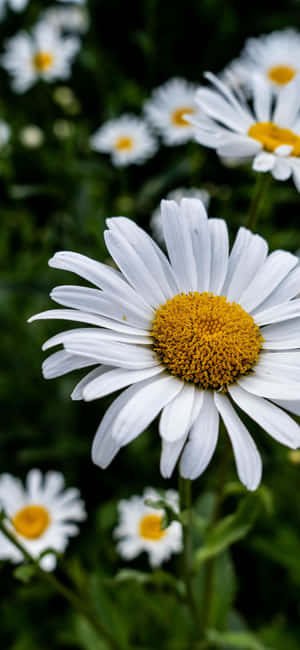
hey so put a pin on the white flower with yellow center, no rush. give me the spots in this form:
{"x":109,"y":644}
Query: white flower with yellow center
{"x":127,"y":139}
{"x":192,"y":336}
{"x":167,"y":109}
{"x":140,"y":528}
{"x":41,"y":515}
{"x":44,"y":54}
{"x":268,"y":135}
{"x":176,"y":195}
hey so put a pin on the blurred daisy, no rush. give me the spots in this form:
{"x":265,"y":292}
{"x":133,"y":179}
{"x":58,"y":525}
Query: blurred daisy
{"x":140,"y":528}
{"x":41,"y":515}
{"x":167,"y":109}
{"x":42,"y":55}
{"x":268,"y":136}
{"x":67,"y":19}
{"x":15,"y":5}
{"x":191,"y":336}
{"x":4,"y":133}
{"x":176,"y":195}
{"x":127,"y":139}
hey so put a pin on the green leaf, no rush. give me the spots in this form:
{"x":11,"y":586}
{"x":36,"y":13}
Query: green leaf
{"x":25,"y":572}
{"x":240,"y":640}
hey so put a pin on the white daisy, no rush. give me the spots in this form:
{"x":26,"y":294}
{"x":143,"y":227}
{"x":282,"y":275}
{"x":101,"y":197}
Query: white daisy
{"x":72,"y":19}
{"x":268,"y":135}
{"x":276,"y":56}
{"x":167,"y":109}
{"x":126,"y":138}
{"x":140,"y":528}
{"x":191,"y":335}
{"x":44,"y":54}
{"x":41,"y":515}
{"x":176,"y":195}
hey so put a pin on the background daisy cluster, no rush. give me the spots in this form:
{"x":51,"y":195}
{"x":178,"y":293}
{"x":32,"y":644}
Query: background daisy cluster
{"x":57,"y":187}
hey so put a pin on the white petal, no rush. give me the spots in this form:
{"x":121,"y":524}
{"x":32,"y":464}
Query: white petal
{"x":219,"y":254}
{"x":273,"y":389}
{"x":271,"y":418}
{"x":169,"y":455}
{"x":275,"y":268}
{"x":102,"y":275}
{"x":248,"y":460}
{"x":53,"y":484}
{"x":62,"y":362}
{"x":115,"y":380}
{"x":288,"y":105}
{"x":34,"y":485}
{"x":194,"y":212}
{"x":176,"y":416}
{"x":219,"y":109}
{"x":282,"y":336}
{"x":77,"y":393}
{"x":288,"y":288}
{"x":263,"y":162}
{"x":93,"y":334}
{"x":113,"y":353}
{"x":282,"y":312}
{"x":292,"y":406}
{"x":179,"y":246}
{"x":275,"y":365}
{"x":262,"y":98}
{"x":85,"y":317}
{"x":202,"y":439}
{"x":247,"y":256}
{"x":284,"y":150}
{"x":238,"y":146}
{"x":282,"y":169}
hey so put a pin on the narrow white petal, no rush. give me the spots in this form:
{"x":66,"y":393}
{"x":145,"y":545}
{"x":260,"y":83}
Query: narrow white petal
{"x":219,"y":254}
{"x":94,"y":335}
{"x":34,"y":485}
{"x":77,"y":393}
{"x":280,"y":336}
{"x":292,"y":406}
{"x":176,"y":416}
{"x":273,"y":389}
{"x":282,"y":169}
{"x":169,"y":455}
{"x":262,"y":98}
{"x":179,"y":246}
{"x":267,"y":278}
{"x":247,"y":256}
{"x":194,"y":212}
{"x":287,"y":107}
{"x":116,"y":379}
{"x":202,"y":439}
{"x":238,"y":146}
{"x":271,"y":418}
{"x":263,"y":162}
{"x":91,"y":319}
{"x":219,"y":109}
{"x":275,"y":365}
{"x":248,"y":460}
{"x":288,"y":288}
{"x":62,"y":362}
{"x":279,"y":313}
{"x":113,"y":353}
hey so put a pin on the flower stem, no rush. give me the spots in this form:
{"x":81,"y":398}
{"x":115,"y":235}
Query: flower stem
{"x":73,"y":599}
{"x":261,"y":185}
{"x":185,"y":505}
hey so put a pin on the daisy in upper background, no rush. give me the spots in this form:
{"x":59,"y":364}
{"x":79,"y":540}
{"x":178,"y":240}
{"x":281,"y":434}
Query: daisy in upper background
{"x":176,"y":195}
{"x":193,"y":336}
{"x":15,"y":5}
{"x":266,"y":134}
{"x":70,"y":19}
{"x":140,"y":528}
{"x":276,"y":56}
{"x":41,"y":515}
{"x":43,"y":54}
{"x":167,"y":109}
{"x":127,"y":139}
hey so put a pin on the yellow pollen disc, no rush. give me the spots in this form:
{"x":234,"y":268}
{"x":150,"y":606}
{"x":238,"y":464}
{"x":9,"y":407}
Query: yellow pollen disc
{"x":42,"y":61}
{"x":281,"y":74}
{"x":204,"y":339}
{"x":272,"y":136}
{"x":177,"y":115}
{"x":31,"y":521}
{"x":150,"y":527}
{"x":124,"y":143}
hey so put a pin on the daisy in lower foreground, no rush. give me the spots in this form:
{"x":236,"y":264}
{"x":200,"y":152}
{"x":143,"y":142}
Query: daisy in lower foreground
{"x":140,"y":528}
{"x":193,"y":336}
{"x":269,"y":136}
{"x":41,"y":515}
{"x":166,"y":110}
{"x":126,"y":138}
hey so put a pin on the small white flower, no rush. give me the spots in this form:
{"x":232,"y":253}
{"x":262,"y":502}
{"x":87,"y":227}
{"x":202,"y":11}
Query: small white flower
{"x":31,"y":136}
{"x":126,"y":138}
{"x":140,"y":528}
{"x":44,"y":54}
{"x":4,"y":133}
{"x":15,"y":5}
{"x":67,"y":19}
{"x":167,"y":109}
{"x":176,"y":195}
{"x":41,"y":515}
{"x":268,"y":135}
{"x":190,"y":337}
{"x":275,"y":56}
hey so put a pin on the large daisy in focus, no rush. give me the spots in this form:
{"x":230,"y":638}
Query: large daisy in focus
{"x":268,"y":135}
{"x":193,"y":336}
{"x":127,"y":139}
{"x":140,"y":528}
{"x":167,"y":109}
{"x":42,"y":515}
{"x":44,"y":54}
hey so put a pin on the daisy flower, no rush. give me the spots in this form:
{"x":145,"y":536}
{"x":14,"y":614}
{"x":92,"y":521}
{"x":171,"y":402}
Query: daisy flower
{"x":44,"y":54}
{"x":191,"y":336}
{"x":176,"y":195}
{"x":140,"y":528}
{"x":72,"y":19}
{"x":167,"y":110}
{"x":127,"y":139}
{"x":267,"y":135}
{"x":41,"y":515}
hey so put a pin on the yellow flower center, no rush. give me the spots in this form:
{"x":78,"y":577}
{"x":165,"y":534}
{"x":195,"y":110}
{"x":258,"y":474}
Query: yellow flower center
{"x":177,"y":115}
{"x":150,"y":527}
{"x":124,"y":143}
{"x":42,"y":61}
{"x":281,"y":74}
{"x":204,"y":339}
{"x":272,"y":136}
{"x":31,"y":521}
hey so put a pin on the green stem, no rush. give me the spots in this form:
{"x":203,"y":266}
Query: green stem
{"x":64,"y":591}
{"x":261,"y":185}
{"x":185,"y":505}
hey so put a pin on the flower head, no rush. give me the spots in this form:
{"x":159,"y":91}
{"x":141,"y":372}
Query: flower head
{"x":127,"y":139}
{"x":192,"y":336}
{"x":140,"y":528}
{"x":167,"y":109}
{"x":176,"y":195}
{"x":269,"y":136}
{"x":41,"y":515}
{"x":44,"y":54}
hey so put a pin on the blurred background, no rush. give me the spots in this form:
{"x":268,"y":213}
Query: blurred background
{"x":55,"y":194}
